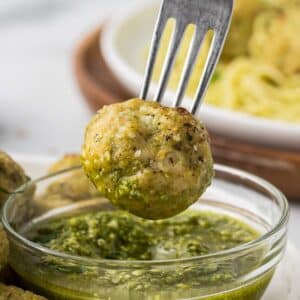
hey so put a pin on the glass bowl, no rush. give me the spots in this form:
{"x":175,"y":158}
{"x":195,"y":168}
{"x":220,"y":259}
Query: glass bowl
{"x":240,"y":273}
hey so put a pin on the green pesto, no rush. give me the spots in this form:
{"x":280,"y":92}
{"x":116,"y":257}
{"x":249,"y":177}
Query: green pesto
{"x":120,"y":235}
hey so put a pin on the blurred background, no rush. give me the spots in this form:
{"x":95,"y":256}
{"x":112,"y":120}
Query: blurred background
{"x":41,"y":109}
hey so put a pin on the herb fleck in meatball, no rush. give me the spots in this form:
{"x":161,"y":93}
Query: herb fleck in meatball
{"x":151,"y":160}
{"x":275,"y":38}
{"x":15,"y":293}
{"x":11,"y":176}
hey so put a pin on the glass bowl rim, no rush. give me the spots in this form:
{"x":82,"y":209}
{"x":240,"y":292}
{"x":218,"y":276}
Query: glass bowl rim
{"x":267,"y":186}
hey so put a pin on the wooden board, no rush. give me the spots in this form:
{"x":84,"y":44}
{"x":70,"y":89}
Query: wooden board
{"x":99,"y":87}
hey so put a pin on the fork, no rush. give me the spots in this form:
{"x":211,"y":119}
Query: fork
{"x":205,"y":15}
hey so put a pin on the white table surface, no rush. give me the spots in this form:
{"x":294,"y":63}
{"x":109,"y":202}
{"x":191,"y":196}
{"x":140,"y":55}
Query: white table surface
{"x":41,"y":109}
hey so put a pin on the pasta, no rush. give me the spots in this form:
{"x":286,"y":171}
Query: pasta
{"x":259,"y":71}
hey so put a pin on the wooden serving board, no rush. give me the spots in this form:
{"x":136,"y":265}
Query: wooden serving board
{"x":99,"y":87}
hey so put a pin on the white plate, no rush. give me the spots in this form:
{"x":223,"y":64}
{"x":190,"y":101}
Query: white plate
{"x":123,"y":42}
{"x":284,"y":285}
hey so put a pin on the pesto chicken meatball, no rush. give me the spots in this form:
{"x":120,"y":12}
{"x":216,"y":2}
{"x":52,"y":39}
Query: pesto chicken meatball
{"x":150,"y":160}
{"x":11,"y":176}
{"x":67,"y":161}
{"x":275,"y":38}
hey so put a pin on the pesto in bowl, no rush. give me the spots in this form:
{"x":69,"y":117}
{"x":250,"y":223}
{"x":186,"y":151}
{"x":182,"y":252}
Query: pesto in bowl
{"x":226,"y":247}
{"x":121,"y":236}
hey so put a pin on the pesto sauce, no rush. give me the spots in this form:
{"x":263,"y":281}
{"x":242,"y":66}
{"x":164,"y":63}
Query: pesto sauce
{"x":120,"y":235}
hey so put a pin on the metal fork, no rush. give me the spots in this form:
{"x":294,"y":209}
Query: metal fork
{"x":205,"y":15}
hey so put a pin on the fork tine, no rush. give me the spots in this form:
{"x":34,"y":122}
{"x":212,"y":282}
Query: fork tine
{"x":170,"y":59}
{"x":212,"y":14}
{"x":159,"y":28}
{"x":199,"y":36}
{"x":210,"y":65}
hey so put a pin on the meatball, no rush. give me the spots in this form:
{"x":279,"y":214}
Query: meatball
{"x":46,"y":202}
{"x":67,"y":161}
{"x":11,"y":176}
{"x":248,"y":8}
{"x":15,"y":293}
{"x":279,"y":28}
{"x":241,"y":28}
{"x":4,"y":247}
{"x":151,"y":160}
{"x":75,"y":186}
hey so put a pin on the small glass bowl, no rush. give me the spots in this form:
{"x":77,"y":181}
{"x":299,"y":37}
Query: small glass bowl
{"x":238,"y":273}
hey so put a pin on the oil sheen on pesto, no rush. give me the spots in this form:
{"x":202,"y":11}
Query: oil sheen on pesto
{"x":120,"y":235}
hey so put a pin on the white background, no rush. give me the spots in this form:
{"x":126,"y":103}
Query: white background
{"x":41,"y":109}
